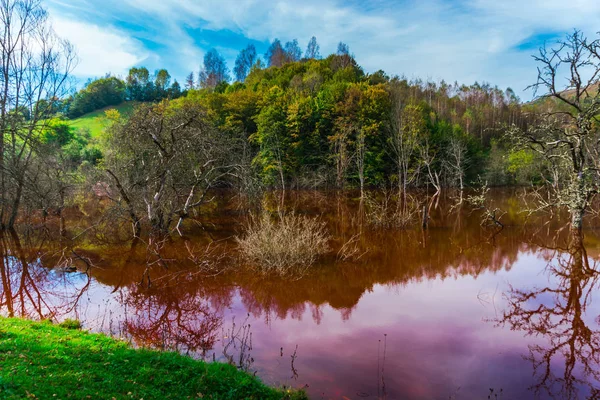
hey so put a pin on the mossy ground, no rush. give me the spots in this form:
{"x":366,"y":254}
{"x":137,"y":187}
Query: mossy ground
{"x":40,"y":360}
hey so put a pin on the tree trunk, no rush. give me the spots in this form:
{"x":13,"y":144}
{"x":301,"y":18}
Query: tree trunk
{"x":137,"y":227}
{"x":577,"y":219}
{"x":16,"y":203}
{"x":2,"y":179}
{"x":578,"y":202}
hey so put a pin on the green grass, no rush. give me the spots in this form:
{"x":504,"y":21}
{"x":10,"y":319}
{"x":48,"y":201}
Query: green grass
{"x":44,"y":361}
{"x":96,"y":122}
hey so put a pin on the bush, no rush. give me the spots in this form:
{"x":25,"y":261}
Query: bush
{"x":70,"y":324}
{"x":290,"y":243}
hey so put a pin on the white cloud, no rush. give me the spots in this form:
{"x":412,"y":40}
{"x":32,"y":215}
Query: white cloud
{"x":100,"y":49}
{"x":463,"y":40}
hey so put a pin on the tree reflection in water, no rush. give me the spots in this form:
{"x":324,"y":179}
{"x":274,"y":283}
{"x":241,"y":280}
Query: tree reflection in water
{"x":45,"y":279}
{"x":165,"y":294}
{"x":164,"y":319}
{"x":556,"y":314}
{"x":29,"y":289}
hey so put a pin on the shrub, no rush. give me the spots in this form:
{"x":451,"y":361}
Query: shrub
{"x":70,"y":324}
{"x":390,"y":212}
{"x":287,"y":244}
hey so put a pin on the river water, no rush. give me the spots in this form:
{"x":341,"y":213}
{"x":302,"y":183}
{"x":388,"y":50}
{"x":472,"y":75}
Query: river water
{"x":459,"y":310}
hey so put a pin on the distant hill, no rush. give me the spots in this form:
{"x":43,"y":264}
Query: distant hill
{"x":553,"y":102}
{"x":96,"y":121}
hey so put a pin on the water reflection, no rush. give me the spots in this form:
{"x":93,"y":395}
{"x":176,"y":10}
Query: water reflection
{"x":167,"y":320}
{"x":405,"y":320}
{"x":31,"y":290}
{"x":557,"y":313}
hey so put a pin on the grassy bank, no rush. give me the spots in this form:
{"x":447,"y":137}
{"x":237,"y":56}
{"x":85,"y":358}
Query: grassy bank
{"x":45,"y":361}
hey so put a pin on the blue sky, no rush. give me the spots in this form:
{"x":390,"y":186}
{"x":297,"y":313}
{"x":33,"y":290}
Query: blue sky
{"x":455,"y":40}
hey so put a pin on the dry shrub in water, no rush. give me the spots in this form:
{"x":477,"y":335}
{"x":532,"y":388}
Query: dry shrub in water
{"x":286,"y":244}
{"x":351,"y":250}
{"x":389,"y":212}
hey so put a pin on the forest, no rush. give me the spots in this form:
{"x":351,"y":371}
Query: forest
{"x":323,"y":122}
{"x":287,"y":121}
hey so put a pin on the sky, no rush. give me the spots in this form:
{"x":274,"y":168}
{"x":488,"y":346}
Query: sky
{"x":455,"y":40}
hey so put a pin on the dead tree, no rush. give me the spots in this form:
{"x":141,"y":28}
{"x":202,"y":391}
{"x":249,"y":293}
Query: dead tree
{"x":407,"y":126}
{"x":567,"y":136}
{"x":164,"y":159}
{"x":455,"y":162}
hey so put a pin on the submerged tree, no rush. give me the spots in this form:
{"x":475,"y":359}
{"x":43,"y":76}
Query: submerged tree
{"x":34,"y":69}
{"x":163,"y":160}
{"x":567,"y":138}
{"x":456,"y":161}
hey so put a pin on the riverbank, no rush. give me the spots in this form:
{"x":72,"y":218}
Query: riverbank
{"x":40,"y":360}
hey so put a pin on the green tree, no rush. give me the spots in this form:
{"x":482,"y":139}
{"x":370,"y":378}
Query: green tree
{"x":272,"y":138}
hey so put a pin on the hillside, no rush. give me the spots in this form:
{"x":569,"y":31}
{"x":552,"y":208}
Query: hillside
{"x":96,"y":121}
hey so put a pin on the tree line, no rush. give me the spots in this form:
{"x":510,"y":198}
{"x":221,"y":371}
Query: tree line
{"x":292,"y":122}
{"x":139,"y":85}
{"x":325,"y":122}
{"x":312,"y":123}
{"x":142,"y":86}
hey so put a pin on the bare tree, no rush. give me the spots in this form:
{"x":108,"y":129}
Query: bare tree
{"x":163,"y":161}
{"x":275,"y":55}
{"x":34,"y":68}
{"x":49,"y":181}
{"x":407,"y":127}
{"x":361,"y":152}
{"x":293,"y":51}
{"x":343,"y":56}
{"x":455,"y":162}
{"x":214,"y":70}
{"x":427,"y":157}
{"x":244,"y":62}
{"x":568,"y":137}
{"x":312,"y":50}
{"x":190,"y":82}
{"x":341,"y":154}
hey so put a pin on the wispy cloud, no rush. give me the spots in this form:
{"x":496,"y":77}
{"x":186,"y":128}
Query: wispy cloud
{"x":100,"y":50}
{"x":463,"y":40}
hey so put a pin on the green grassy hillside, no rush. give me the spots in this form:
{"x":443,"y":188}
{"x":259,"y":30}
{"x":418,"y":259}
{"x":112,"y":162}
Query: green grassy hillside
{"x":45,"y":361}
{"x":96,"y":121}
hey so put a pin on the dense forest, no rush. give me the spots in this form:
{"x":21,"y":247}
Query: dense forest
{"x":323,"y":122}
{"x":288,"y":120}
